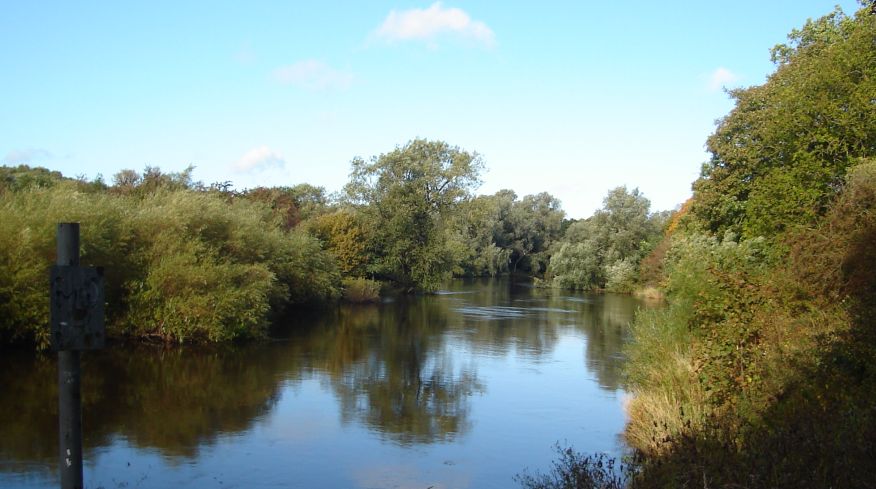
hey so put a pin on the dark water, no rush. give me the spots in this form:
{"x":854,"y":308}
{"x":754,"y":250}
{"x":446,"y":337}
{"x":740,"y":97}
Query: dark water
{"x":461,"y":389}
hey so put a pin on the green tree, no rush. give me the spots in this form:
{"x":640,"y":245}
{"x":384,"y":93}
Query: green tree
{"x":779,"y":157}
{"x":15,"y":178}
{"x":471,"y":236}
{"x":528,"y":228}
{"x":604,"y":250}
{"x":344,"y":235}
{"x":311,"y":200}
{"x":407,"y":197}
{"x":280,"y":201}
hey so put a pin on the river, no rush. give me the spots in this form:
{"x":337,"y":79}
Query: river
{"x":462,"y":389}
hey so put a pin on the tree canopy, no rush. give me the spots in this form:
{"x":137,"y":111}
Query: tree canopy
{"x":406,"y":195}
{"x":781,"y":154}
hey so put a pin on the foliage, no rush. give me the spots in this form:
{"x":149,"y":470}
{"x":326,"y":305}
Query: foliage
{"x":18,"y":178}
{"x":406,"y":196}
{"x":604,"y":250}
{"x":576,"y":266}
{"x":471,"y":238}
{"x":281,"y":203}
{"x":529,"y":229}
{"x":499,"y":233}
{"x":779,"y":156}
{"x":621,"y":276}
{"x":361,"y":290}
{"x":730,"y":378}
{"x":311,"y":200}
{"x":343,"y":233}
{"x":759,"y":373}
{"x":129,"y":182}
{"x":181,"y":264}
{"x":573,"y":470}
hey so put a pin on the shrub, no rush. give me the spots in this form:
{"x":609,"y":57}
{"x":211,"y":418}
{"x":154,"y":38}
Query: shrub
{"x":361,"y":290}
{"x":180,"y":264}
{"x":575,"y":266}
{"x":621,"y":276}
{"x":573,"y":470}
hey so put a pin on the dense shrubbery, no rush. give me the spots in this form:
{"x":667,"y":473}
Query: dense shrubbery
{"x":760,"y":371}
{"x":359,"y":290}
{"x":604,"y":251}
{"x":181,"y":264}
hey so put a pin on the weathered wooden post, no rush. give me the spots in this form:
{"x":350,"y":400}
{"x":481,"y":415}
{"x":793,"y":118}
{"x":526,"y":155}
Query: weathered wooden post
{"x":77,"y":299}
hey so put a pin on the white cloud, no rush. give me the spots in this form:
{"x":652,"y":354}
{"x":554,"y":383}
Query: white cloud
{"x":26,"y":156}
{"x":259,"y":158}
{"x":428,"y":24}
{"x":311,"y":74}
{"x":720,"y":78}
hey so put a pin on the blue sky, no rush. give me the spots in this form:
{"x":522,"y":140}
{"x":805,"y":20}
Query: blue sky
{"x":572,"y":98}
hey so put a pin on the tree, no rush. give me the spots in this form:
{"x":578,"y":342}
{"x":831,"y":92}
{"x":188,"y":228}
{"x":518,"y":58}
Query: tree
{"x":528,"y":228}
{"x":282,"y":204}
{"x":604,"y":250}
{"x":407,"y":196}
{"x":471,"y":237}
{"x":344,"y":236}
{"x":780,"y":156}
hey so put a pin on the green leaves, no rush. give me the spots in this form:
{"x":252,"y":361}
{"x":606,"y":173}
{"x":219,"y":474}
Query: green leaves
{"x":604,"y":250}
{"x":779,"y":157}
{"x":407,"y":197}
{"x":181,"y":264}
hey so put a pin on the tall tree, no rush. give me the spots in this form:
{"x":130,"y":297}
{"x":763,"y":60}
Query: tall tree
{"x":779,"y":157}
{"x":604,"y":250}
{"x":407,"y":196}
{"x":536,"y":222}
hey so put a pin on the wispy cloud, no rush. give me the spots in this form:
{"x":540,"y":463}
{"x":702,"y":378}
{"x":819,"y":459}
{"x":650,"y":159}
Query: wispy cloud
{"x":720,"y":78}
{"x":26,"y":156}
{"x":429,"y":24}
{"x":314,"y":75}
{"x":259,"y":158}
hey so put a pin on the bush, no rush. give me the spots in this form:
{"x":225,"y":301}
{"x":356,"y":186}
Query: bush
{"x":760,"y":370}
{"x":575,"y":266}
{"x":621,"y":276}
{"x":573,"y":470}
{"x":361,"y":290}
{"x":180,"y":265}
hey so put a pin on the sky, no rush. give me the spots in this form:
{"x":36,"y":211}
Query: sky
{"x":571,"y":98}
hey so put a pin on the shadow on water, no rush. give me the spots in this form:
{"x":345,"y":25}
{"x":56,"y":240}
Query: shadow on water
{"x":400,"y":369}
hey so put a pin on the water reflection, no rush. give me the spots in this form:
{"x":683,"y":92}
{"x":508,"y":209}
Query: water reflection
{"x":391,"y":370}
{"x":406,"y":371}
{"x":173,"y":400}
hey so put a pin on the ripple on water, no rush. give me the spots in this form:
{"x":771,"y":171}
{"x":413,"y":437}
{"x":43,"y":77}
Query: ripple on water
{"x":491,"y":312}
{"x":506,"y":312}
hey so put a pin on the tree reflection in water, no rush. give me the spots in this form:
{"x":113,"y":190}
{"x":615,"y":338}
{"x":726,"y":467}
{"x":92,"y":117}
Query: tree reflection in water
{"x":404,"y":369}
{"x":392,"y":371}
{"x":174,"y":400}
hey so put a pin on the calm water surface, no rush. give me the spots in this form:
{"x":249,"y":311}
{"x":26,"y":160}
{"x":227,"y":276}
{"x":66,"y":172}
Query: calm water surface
{"x":462,"y":389}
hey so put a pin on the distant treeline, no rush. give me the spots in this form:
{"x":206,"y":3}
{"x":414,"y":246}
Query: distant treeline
{"x":193,"y":262}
